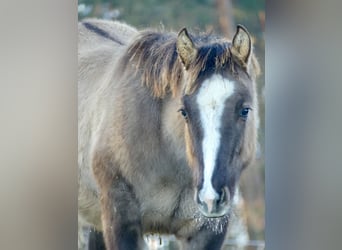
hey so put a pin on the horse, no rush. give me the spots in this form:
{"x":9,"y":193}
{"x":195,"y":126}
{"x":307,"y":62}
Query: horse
{"x":167,"y":123}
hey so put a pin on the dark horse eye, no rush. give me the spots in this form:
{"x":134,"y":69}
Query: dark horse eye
{"x":244,"y":113}
{"x":183,"y":113}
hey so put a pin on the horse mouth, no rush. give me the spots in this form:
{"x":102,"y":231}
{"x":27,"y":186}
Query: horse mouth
{"x":214,"y":214}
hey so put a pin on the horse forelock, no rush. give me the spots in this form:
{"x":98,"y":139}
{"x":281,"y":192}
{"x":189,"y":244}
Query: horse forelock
{"x":213,"y":56}
{"x":153,"y":57}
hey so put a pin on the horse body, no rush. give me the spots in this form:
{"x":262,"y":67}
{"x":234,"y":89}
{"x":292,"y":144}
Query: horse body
{"x":96,"y":58}
{"x":156,"y":161}
{"x":134,"y":174}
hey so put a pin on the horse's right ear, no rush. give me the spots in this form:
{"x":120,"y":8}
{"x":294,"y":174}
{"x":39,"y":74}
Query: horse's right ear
{"x":186,"y":49}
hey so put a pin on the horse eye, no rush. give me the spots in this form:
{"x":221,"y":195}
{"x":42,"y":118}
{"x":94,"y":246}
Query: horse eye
{"x":183,"y":113}
{"x":244,"y":112}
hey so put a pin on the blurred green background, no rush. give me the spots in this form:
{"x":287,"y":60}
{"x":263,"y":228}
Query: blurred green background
{"x":221,"y":17}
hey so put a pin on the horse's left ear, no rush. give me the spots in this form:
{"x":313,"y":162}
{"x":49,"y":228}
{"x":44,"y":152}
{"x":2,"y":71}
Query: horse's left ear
{"x":186,"y":49}
{"x":242,"y":44}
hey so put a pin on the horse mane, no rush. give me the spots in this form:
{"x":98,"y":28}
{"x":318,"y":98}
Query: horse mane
{"x":154,"y":55}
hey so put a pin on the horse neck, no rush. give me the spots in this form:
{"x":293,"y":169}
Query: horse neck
{"x":173,"y":127}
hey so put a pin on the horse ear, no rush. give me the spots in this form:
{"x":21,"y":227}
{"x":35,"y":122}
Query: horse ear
{"x":242,"y":44}
{"x":186,"y":49}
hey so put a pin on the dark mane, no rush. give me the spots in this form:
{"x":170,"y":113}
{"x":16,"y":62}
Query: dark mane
{"x":154,"y":56}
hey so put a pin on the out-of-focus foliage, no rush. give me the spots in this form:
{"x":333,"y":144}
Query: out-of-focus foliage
{"x":202,"y":15}
{"x":174,"y":14}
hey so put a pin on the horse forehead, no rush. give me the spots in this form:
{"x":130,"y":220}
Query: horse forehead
{"x":214,"y":91}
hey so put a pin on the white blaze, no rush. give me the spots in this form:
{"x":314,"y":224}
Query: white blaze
{"x":211,"y":99}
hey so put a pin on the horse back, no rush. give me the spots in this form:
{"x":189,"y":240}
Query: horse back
{"x":94,"y":33}
{"x":100,"y":44}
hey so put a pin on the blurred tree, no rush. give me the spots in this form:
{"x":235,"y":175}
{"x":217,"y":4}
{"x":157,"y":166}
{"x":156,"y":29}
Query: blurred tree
{"x":225,"y":16}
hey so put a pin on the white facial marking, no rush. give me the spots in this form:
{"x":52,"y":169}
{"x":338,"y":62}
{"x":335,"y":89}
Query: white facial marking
{"x":211,"y":100}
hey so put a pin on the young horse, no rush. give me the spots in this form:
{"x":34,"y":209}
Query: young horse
{"x":167,"y":123}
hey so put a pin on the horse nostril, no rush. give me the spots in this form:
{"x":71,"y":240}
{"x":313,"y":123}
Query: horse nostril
{"x":207,"y":202}
{"x":198,"y":199}
{"x":224,"y":196}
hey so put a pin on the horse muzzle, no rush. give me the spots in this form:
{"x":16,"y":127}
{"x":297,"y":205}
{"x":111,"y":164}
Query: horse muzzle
{"x":214,"y":205}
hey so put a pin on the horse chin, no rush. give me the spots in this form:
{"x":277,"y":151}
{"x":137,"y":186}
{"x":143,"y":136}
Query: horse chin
{"x":216,"y":223}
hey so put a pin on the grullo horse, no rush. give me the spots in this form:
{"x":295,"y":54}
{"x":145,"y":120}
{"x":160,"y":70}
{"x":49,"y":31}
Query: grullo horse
{"x":167,"y":123}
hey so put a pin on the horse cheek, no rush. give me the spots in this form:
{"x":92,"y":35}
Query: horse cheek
{"x":190,"y":152}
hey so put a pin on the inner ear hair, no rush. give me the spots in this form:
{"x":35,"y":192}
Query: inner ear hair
{"x":186,"y":49}
{"x":242,"y":45}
